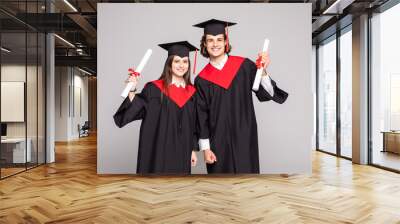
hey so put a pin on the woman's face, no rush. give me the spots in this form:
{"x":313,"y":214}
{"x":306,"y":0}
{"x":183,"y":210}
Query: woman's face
{"x":180,"y":66}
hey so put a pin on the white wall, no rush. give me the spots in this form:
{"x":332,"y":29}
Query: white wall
{"x":17,"y":73}
{"x":80,"y":84}
{"x":68,"y":82}
{"x":61,"y":103}
{"x":285,"y":131}
{"x":33,"y":126}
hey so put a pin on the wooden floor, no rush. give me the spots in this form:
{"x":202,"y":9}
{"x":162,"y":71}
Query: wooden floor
{"x":387,"y":159}
{"x":5,"y":172}
{"x":70,"y":191}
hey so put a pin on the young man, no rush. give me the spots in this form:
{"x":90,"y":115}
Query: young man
{"x":226,"y":119}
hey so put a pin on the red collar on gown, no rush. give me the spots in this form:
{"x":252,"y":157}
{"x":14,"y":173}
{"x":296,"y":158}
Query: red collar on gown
{"x":224,"y":76}
{"x":179,"y":95}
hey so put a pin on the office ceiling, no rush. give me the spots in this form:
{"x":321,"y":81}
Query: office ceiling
{"x":78,"y":26}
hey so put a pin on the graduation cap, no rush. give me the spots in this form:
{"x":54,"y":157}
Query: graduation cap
{"x":181,"y":49}
{"x":214,"y":26}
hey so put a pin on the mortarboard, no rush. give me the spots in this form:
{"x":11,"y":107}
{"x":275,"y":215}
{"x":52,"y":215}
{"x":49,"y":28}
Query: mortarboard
{"x":181,"y":48}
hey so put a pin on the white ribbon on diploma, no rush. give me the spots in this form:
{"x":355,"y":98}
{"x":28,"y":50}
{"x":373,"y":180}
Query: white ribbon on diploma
{"x":257,"y":80}
{"x":139,"y":69}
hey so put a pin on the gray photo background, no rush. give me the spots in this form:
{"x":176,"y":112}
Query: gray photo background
{"x":126,"y":31}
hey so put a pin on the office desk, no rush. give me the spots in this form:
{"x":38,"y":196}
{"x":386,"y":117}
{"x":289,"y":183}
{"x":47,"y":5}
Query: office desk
{"x":16,"y":147}
{"x":391,"y":141}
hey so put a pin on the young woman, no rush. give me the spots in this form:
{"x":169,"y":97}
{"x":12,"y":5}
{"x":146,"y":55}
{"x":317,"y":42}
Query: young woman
{"x":167,"y":109}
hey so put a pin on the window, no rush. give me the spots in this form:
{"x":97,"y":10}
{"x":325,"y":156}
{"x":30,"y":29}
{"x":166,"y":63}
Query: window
{"x":327,"y":96}
{"x":385,"y":88}
{"x":346,"y":75}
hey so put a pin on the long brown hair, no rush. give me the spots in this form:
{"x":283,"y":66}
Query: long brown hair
{"x":166,"y":75}
{"x":203,"y":49}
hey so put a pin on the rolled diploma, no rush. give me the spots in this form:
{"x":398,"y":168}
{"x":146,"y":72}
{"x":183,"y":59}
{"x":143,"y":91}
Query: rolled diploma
{"x":257,"y":80}
{"x":139,"y":69}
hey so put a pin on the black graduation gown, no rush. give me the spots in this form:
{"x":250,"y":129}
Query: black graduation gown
{"x":226,"y":116}
{"x":167,"y":131}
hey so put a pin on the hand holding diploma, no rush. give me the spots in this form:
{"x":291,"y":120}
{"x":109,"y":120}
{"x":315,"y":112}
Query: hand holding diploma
{"x":262,"y":62}
{"x":132,"y":80}
{"x":136,"y":73}
{"x":209,"y":156}
{"x":193,"y":159}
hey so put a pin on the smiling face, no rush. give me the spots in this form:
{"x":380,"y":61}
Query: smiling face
{"x":215,"y":45}
{"x":180,"y":66}
{"x":176,"y":67}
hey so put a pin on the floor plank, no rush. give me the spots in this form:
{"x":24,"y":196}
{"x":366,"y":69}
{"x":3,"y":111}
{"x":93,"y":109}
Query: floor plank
{"x":70,"y":191}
